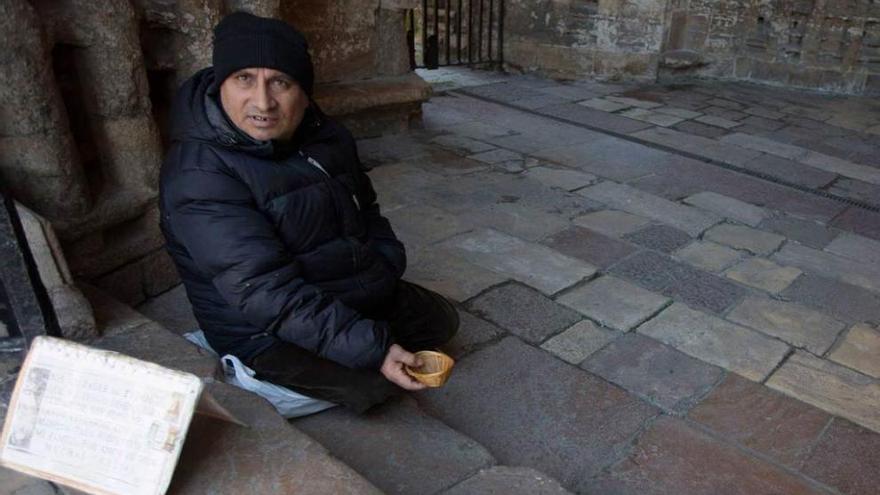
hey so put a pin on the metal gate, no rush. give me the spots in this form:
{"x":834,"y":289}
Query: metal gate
{"x":457,"y":32}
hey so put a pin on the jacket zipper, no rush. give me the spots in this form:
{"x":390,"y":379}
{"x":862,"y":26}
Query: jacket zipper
{"x":317,"y":165}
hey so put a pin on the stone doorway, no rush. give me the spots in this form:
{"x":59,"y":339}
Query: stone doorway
{"x":446,"y":33}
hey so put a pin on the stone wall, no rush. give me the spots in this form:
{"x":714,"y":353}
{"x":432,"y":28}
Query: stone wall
{"x":831,"y":45}
{"x":85,"y":90}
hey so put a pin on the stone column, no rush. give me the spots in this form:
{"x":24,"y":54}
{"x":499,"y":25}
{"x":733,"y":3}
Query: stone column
{"x":39,"y":162}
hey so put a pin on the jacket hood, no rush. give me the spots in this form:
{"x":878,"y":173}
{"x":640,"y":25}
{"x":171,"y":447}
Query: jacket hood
{"x":196,"y":115}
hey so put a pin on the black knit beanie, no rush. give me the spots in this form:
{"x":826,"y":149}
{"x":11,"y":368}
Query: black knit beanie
{"x":244,"y":40}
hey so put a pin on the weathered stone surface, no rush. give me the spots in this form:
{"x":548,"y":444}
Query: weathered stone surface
{"x":830,"y":387}
{"x":603,"y":104}
{"x":763,"y":274}
{"x":508,"y":480}
{"x":579,"y":341}
{"x":799,"y":326}
{"x":660,"y":237}
{"x":584,"y":244}
{"x":420,"y":225}
{"x":697,"y":145}
{"x":678,"y":112}
{"x":397,"y":447}
{"x":523,"y":311}
{"x":790,"y":171}
{"x":609,"y":157}
{"x":531,"y":264}
{"x":656,"y":372}
{"x":741,"y":237}
{"x":858,"y":190}
{"x":496,"y":156}
{"x":761,"y":419}
{"x":612,"y":222}
{"x":708,"y":255}
{"x":579,"y":114}
{"x":503,"y":387}
{"x":270,"y":456}
{"x":637,"y":202}
{"x":726,"y":207}
{"x":716,"y":341}
{"x":449,"y":274}
{"x":472,"y":333}
{"x":462,"y":143}
{"x":561,"y":178}
{"x":830,"y":265}
{"x":652,"y":117}
{"x":172,"y":310}
{"x":839,"y":166}
{"x":614,"y":303}
{"x":673,"y":457}
{"x":841,"y":300}
{"x":808,"y":233}
{"x":634,"y":102}
{"x":842,"y":458}
{"x":717,"y":121}
{"x":860,"y":350}
{"x":860,"y":221}
{"x":856,"y":247}
{"x":679,"y":281}
{"x":707,"y":131}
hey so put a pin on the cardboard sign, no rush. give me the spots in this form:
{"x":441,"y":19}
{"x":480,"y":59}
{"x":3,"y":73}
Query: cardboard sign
{"x":100,"y":421}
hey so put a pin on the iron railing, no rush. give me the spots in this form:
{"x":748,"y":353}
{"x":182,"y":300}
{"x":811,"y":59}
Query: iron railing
{"x":458,"y":32}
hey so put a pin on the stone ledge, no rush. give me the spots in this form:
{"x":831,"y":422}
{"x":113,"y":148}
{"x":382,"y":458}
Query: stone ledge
{"x":346,"y":98}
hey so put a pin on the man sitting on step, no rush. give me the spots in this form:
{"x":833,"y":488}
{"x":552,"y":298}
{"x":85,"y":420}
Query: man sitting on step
{"x":275,"y":230}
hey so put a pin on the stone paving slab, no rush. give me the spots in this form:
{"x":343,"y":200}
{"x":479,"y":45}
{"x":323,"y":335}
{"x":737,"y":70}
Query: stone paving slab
{"x":679,"y":281}
{"x":700,"y":146}
{"x":660,"y":238}
{"x":830,"y":265}
{"x":579,"y":341}
{"x":708,"y":255}
{"x":399,"y":448}
{"x":592,"y":247}
{"x":762,"y":419}
{"x":698,"y":129}
{"x":515,"y":218}
{"x":716,"y":120}
{"x":741,"y":237}
{"x":856,"y":247}
{"x":472,"y":333}
{"x":713,"y":340}
{"x":609,"y":157}
{"x":806,"y":232}
{"x":529,"y":263}
{"x":504,"y":480}
{"x":830,"y":387}
{"x":568,"y":180}
{"x":791,"y":171}
{"x":523,"y":311}
{"x":654,"y":371}
{"x":419,"y":225}
{"x":730,"y":208}
{"x":842,"y":457}
{"x":603,"y":104}
{"x":612,"y":222}
{"x":652,"y":117}
{"x":449,"y":274}
{"x":841,"y":300}
{"x":860,"y":221}
{"x":860,"y":350}
{"x":512,"y":387}
{"x":763,"y":274}
{"x":674,"y":457}
{"x":858,"y":190}
{"x":579,"y":114}
{"x":462,"y":143}
{"x":637,"y":202}
{"x":798,"y":325}
{"x":614,"y":303}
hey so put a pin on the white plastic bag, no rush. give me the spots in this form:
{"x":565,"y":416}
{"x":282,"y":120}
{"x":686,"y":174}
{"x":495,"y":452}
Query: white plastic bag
{"x":287,"y":402}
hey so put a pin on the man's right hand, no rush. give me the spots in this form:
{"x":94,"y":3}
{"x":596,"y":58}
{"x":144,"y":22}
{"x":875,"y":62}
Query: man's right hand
{"x":392,"y":368}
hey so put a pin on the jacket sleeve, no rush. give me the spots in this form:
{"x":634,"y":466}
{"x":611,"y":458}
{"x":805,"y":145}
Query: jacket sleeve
{"x":214,"y":217}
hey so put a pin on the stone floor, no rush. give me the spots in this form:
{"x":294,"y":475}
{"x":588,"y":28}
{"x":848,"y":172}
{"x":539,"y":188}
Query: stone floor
{"x":663,"y":289}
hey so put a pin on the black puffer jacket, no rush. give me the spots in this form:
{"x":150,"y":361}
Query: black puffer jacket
{"x":276,"y":240}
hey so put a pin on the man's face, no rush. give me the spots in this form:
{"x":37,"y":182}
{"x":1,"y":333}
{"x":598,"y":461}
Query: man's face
{"x":264,"y":103}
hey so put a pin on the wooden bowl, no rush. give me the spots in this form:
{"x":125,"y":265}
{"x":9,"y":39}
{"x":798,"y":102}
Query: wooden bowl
{"x":435,"y":370}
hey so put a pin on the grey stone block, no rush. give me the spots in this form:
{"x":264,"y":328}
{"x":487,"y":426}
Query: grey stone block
{"x":449,"y":274}
{"x":790,"y":171}
{"x":716,"y":341}
{"x":396,"y":446}
{"x":708,"y":131}
{"x":462,"y":143}
{"x":580,"y":114}
{"x":708,"y":255}
{"x":763,"y":274}
{"x":568,"y":180}
{"x":808,"y":233}
{"x":830,"y":265}
{"x":698,"y":145}
{"x":741,"y":237}
{"x":523,"y":311}
{"x":858,"y":190}
{"x":503,"y":480}
{"x":592,"y":247}
{"x":856,"y":247}
{"x":726,"y":207}
{"x":512,"y":387}
{"x":579,"y":341}
{"x":496,"y":156}
{"x":612,"y":222}
{"x":860,"y":221}
{"x":799,"y":326}
{"x":659,"y":237}
{"x":841,"y":300}
{"x":614,"y":303}
{"x":659,"y":373}
{"x":609,"y":157}
{"x":472,"y":333}
{"x":681,"y":282}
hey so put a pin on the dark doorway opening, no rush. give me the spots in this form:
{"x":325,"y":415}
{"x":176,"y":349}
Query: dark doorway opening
{"x":457,"y":32}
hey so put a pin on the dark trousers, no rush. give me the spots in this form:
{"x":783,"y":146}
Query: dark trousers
{"x":419,"y":319}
